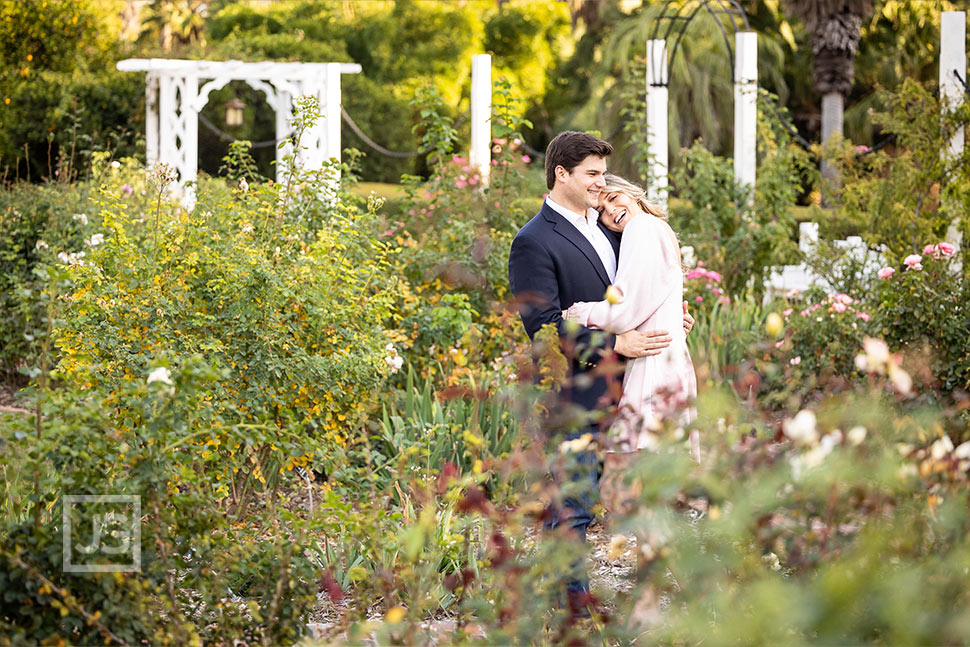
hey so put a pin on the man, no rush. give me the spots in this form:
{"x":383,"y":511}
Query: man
{"x":562,"y":256}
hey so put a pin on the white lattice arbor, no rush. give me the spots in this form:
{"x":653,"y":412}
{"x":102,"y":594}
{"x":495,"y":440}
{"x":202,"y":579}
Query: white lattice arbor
{"x":174,"y":98}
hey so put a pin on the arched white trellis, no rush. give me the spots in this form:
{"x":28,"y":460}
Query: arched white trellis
{"x":672,"y":22}
{"x":745,"y":113}
{"x":174,"y":98}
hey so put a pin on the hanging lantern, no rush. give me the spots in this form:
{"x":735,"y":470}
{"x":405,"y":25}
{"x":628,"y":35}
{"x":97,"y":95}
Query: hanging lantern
{"x":234,"y":112}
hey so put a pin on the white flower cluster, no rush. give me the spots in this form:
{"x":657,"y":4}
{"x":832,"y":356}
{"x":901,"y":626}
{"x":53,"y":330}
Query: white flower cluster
{"x":41,"y":245}
{"x":876,"y":358}
{"x":394,"y":361}
{"x":72,"y":258}
{"x":81,"y":218}
{"x":95,"y":240}
{"x":803,"y":430}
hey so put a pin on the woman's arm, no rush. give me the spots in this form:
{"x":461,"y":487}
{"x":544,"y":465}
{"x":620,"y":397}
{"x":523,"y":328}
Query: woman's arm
{"x":647,"y":253}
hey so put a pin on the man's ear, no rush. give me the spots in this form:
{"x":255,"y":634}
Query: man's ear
{"x":561,"y":173}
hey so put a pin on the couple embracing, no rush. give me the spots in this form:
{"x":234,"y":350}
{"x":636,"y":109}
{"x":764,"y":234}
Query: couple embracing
{"x":596,"y":230}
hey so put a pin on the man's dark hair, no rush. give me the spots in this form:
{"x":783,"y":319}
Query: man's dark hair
{"x":568,"y":149}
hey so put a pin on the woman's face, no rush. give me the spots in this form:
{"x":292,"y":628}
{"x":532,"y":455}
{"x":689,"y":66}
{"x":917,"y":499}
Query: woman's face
{"x":617,"y":209}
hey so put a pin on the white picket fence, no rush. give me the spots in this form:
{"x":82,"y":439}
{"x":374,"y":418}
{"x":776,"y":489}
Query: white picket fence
{"x":801,"y":277}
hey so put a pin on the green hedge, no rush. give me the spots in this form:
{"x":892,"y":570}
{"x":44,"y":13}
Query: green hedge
{"x":62,"y":117}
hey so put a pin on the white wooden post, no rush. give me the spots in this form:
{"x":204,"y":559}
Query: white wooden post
{"x":657,"y":77}
{"x":166,"y":108}
{"x":746,"y":110}
{"x":480,"y":153}
{"x":953,"y":61}
{"x":188,"y":153}
{"x":151,"y":118}
{"x":331,"y":113}
{"x":284,"y":112}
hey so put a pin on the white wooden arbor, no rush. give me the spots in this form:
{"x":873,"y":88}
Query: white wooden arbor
{"x":177,"y":90}
{"x":673,"y":21}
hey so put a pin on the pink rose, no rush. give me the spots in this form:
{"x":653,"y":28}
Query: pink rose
{"x":795,"y":361}
{"x":699,"y":299}
{"x":695,"y":274}
{"x":843,"y":298}
{"x":913,"y":262}
{"x":787,"y":312}
{"x":885,"y":272}
{"x":838,"y":306}
{"x":929,"y":250}
{"x":863,"y":316}
{"x":947,"y":250}
{"x":714,"y":276}
{"x":526,"y":159}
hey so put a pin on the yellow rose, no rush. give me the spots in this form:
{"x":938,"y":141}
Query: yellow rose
{"x":613,"y":295}
{"x":395,"y":614}
{"x":774,"y":325}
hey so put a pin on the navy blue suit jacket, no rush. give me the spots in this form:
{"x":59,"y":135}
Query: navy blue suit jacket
{"x":552,"y":266}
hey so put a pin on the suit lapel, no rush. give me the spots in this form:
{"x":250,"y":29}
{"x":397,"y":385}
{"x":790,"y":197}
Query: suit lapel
{"x":566,"y":229}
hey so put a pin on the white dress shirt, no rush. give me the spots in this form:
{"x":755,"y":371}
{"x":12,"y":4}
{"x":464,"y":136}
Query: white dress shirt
{"x":587,"y":227}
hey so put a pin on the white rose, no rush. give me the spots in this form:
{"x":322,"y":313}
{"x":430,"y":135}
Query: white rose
{"x":941,"y":448}
{"x":160,"y":374}
{"x":856,"y":435}
{"x":801,"y":428}
{"x":962,"y":450}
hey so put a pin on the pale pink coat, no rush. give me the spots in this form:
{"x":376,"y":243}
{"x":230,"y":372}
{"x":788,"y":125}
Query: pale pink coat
{"x":651,"y":279}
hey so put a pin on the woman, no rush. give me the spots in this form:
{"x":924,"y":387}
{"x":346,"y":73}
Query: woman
{"x":650,"y":280}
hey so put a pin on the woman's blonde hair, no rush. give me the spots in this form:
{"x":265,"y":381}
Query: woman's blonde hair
{"x":616,"y":184}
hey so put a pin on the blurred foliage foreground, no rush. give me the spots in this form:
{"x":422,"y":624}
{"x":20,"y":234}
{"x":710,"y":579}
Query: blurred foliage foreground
{"x":328,"y":413}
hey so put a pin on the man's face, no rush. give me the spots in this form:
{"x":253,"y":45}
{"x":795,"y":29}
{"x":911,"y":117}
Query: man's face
{"x":583,"y":185}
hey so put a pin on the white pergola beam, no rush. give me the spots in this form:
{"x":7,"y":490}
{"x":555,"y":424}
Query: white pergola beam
{"x":240,"y":69}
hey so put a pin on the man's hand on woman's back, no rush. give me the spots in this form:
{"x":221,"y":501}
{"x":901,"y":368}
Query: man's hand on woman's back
{"x":641,"y":344}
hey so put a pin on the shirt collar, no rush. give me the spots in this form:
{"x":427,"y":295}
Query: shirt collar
{"x":570,"y":215}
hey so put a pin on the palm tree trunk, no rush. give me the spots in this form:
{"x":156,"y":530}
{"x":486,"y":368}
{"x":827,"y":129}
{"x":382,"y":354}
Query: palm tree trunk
{"x":833,"y":107}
